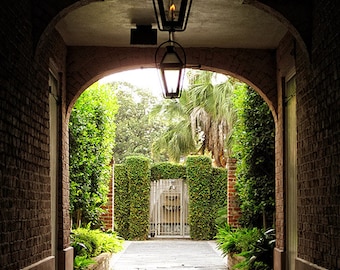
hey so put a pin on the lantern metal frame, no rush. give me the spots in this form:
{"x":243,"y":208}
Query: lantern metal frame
{"x":171,"y":18}
{"x":178,"y":20}
{"x":171,"y":46}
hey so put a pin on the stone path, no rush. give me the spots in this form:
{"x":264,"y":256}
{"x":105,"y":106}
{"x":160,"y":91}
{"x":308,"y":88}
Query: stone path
{"x":169,"y":254}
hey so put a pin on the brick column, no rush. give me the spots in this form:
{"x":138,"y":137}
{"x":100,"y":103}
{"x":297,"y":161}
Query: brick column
{"x":234,"y":211}
{"x":107,"y":217}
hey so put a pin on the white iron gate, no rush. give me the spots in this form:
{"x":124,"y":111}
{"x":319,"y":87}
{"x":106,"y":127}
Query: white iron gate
{"x":169,"y":208}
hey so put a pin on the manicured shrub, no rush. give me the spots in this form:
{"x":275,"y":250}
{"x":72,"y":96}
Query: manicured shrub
{"x":167,"y":170}
{"x":199,"y":176}
{"x":121,"y":200}
{"x":138,"y":173}
{"x":207,"y":192}
{"x":218,"y":198}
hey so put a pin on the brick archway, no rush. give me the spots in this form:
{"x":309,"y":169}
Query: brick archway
{"x":257,"y":68}
{"x":85,"y":65}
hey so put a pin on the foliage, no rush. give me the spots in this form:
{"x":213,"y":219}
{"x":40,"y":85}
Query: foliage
{"x":200,"y":122}
{"x":82,"y":262}
{"x":138,"y":172}
{"x":253,"y":147}
{"x":121,"y":201}
{"x":236,"y":240}
{"x":212,"y":113}
{"x":200,"y":216}
{"x":219,"y":198}
{"x":132,"y":195}
{"x":176,"y":140}
{"x":256,"y":246}
{"x":166,"y":170}
{"x":222,"y":217}
{"x":92,"y":131}
{"x":90,"y":243}
{"x":134,"y":133}
{"x":260,"y":256}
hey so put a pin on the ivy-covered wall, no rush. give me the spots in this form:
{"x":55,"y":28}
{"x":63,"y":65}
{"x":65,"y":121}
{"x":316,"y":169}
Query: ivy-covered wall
{"x":199,"y":175}
{"x":121,"y":201}
{"x":219,"y":198}
{"x":131,"y":198}
{"x":167,"y":170}
{"x":207,"y":194}
{"x":138,"y":173}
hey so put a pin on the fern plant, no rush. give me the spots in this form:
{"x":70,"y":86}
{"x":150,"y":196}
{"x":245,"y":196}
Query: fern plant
{"x":90,"y":243}
{"x":254,"y":245}
{"x":82,"y":262}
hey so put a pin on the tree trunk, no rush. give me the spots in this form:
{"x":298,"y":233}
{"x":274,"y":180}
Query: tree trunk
{"x":78,"y":218}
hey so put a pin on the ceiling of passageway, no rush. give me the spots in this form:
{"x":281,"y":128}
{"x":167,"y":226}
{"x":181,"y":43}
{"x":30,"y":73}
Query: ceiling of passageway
{"x":212,"y":23}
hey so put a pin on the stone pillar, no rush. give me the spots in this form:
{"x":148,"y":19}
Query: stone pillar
{"x":234,"y":211}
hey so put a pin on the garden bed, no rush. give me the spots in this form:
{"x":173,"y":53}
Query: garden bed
{"x":233,"y":259}
{"x":103,"y":262}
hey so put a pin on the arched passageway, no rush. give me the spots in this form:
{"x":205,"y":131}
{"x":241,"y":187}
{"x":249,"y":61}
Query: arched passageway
{"x":44,"y":45}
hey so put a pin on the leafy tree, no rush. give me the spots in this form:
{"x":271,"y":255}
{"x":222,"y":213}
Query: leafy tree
{"x":212,"y":113}
{"x":92,"y":131}
{"x":177,"y":139}
{"x":253,"y":147}
{"x":134,"y":133}
{"x":200,"y":121}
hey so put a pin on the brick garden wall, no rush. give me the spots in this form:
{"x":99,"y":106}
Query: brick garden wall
{"x":234,"y":211}
{"x":107,"y":217}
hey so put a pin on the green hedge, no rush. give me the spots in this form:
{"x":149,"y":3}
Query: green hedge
{"x":219,"y":197}
{"x":199,"y":175}
{"x":166,"y":170}
{"x":138,"y":172}
{"x":121,"y":200}
{"x":207,"y":194}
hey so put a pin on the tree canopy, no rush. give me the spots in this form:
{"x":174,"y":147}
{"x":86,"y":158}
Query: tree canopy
{"x":134,"y":133}
{"x":92,"y":131}
{"x":200,"y":121}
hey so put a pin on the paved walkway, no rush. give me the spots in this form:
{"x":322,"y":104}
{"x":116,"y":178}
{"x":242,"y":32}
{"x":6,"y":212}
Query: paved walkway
{"x":169,"y":254}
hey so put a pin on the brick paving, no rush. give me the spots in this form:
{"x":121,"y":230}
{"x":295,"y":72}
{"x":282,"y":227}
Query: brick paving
{"x":169,"y":254}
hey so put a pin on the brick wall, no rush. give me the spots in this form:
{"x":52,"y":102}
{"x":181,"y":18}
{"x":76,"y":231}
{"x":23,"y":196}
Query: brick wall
{"x":286,"y":65}
{"x":107,"y":217}
{"x":85,"y":65}
{"x":24,"y":160}
{"x":318,"y":115}
{"x":234,"y":211}
{"x":25,"y":232}
{"x":25,"y":204}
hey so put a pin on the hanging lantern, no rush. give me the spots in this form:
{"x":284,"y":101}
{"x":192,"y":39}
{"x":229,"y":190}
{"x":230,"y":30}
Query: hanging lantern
{"x":171,"y":68}
{"x":172,"y":15}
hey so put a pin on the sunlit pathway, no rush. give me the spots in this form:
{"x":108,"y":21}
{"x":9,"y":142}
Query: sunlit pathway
{"x":169,"y":254}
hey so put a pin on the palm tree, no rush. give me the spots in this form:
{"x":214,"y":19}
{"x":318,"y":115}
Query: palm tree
{"x":200,"y":121}
{"x":177,"y":140}
{"x":213,"y":113}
